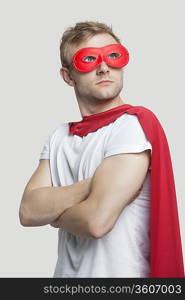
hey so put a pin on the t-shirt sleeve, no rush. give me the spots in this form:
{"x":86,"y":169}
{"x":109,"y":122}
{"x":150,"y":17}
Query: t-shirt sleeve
{"x":45,"y":153}
{"x":127,"y":136}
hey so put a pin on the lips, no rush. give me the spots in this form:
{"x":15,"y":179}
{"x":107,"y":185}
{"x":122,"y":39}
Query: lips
{"x":104,"y":81}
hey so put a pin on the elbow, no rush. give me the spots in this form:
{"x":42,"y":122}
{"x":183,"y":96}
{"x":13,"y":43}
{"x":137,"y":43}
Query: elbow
{"x":24,"y":217}
{"x":97,"y":230}
{"x":24,"y":212}
{"x":23,"y":220}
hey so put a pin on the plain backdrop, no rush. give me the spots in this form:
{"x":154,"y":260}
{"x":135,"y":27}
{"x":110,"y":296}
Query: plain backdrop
{"x":35,"y":100}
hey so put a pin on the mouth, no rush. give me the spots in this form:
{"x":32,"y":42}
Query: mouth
{"x":104,"y":82}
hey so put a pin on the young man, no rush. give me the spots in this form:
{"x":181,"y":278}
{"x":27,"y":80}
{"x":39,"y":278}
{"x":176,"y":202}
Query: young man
{"x":106,"y":181}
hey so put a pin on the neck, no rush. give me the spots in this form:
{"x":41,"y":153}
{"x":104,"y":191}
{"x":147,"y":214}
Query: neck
{"x":89,"y":108}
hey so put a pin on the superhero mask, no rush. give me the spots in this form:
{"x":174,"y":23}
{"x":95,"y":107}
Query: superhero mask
{"x":87,"y":59}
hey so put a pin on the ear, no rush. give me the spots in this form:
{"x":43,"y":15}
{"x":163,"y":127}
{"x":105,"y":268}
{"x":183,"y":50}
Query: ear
{"x":65,"y":74}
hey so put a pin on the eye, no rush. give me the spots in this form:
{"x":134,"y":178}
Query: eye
{"x":114,"y":55}
{"x":89,"y":58}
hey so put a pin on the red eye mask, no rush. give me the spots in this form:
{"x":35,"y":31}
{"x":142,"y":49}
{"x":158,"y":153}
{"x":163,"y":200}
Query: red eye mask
{"x":87,"y":59}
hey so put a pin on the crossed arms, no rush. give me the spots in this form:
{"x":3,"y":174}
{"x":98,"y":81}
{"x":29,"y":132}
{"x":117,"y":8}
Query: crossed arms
{"x":88,"y":208}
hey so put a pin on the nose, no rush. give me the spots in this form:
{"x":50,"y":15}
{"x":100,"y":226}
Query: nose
{"x":102,"y":68}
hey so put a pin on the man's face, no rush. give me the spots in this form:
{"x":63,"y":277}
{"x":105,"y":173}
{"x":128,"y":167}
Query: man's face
{"x":88,"y":85}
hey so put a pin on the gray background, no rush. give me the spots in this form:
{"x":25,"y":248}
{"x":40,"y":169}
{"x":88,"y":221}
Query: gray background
{"x":34,"y":100}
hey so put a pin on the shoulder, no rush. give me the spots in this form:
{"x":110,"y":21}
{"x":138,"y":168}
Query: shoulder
{"x":135,"y":116}
{"x":59,"y":131}
{"x":127,"y":133}
{"x":126,"y":122}
{"x":62,"y":128}
{"x":144,"y":112}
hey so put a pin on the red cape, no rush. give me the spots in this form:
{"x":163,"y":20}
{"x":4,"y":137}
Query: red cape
{"x":166,"y":257}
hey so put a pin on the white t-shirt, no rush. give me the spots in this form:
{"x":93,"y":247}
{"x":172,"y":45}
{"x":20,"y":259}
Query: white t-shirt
{"x":124,"y":251}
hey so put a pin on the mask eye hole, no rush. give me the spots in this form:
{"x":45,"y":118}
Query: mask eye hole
{"x":89,"y":58}
{"x":114,"y":55}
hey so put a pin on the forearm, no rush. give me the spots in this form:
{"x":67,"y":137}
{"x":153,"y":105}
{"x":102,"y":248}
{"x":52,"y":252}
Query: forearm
{"x":77,"y":219}
{"x":43,"y":205}
{"x":84,"y":219}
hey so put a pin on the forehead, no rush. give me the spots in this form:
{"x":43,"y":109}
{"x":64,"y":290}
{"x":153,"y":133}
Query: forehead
{"x":98,"y":40}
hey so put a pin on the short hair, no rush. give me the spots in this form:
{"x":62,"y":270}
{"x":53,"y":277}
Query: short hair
{"x":79,"y":33}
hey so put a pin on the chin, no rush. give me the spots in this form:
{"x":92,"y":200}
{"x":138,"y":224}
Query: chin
{"x":107,"y":95}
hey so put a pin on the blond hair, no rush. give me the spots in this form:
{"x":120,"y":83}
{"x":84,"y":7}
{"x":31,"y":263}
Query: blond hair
{"x":80,"y":32}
